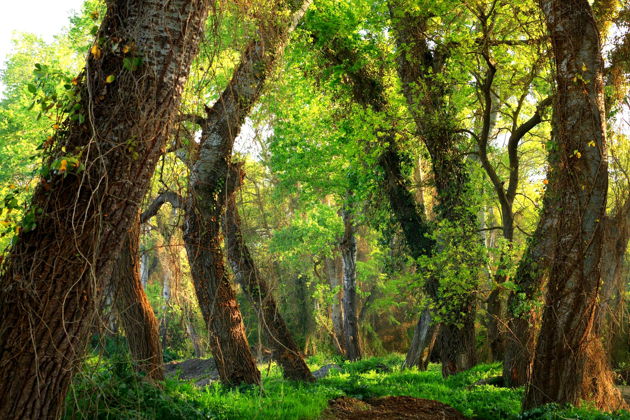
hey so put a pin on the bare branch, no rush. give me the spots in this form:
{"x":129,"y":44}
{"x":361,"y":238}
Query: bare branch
{"x":165,"y":197}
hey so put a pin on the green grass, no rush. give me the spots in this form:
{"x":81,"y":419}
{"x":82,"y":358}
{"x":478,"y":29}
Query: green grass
{"x":110,"y":390}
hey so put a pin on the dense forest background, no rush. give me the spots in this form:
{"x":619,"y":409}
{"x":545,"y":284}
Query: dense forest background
{"x":433,"y":195}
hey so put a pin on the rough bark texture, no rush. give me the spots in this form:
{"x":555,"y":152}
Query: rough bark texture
{"x":348,"y":247}
{"x":570,"y":364}
{"x":206,"y":202}
{"x":425,"y":95}
{"x":134,"y":310}
{"x":284,"y":349}
{"x":52,"y":276}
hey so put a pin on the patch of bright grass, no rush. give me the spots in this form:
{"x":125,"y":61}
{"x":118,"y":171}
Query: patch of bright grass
{"x":115,"y":392}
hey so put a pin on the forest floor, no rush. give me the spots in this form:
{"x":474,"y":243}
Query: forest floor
{"x":374,"y":388}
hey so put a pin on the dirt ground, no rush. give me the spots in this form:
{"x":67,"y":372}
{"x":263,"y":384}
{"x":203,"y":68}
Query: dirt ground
{"x":391,"y":408}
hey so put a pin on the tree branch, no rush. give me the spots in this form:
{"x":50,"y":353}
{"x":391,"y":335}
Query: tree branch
{"x":165,"y":197}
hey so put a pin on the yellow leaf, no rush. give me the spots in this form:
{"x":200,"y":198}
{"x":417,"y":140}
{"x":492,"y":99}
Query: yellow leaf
{"x":96,"y":51}
{"x":591,"y":143}
{"x":110,"y":78}
{"x":63,"y":165}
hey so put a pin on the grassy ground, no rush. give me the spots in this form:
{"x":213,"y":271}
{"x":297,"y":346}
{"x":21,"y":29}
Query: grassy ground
{"x":110,"y":390}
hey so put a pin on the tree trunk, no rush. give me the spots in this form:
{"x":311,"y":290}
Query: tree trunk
{"x":206,"y":201}
{"x":167,"y":282}
{"x":144,"y":269}
{"x":423,"y":341}
{"x":134,"y":310}
{"x":336,"y":310}
{"x":417,"y":67}
{"x":52,"y":277}
{"x":523,"y":315}
{"x":285,"y":351}
{"x":348,"y":247}
{"x":570,"y":364}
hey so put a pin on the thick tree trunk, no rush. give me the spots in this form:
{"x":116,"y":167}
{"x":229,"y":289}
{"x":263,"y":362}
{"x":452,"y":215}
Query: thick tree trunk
{"x":285,"y":351}
{"x":206,"y":202}
{"x":570,"y":364}
{"x":52,"y":276}
{"x":217,"y":299}
{"x":134,"y":310}
{"x":348,"y":247}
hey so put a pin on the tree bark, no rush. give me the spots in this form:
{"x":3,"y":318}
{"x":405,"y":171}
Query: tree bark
{"x":336,"y":310}
{"x":52,"y":277}
{"x":134,"y":310}
{"x":285,"y":351}
{"x":206,"y":201}
{"x":424,"y":337}
{"x":348,"y":247}
{"x":570,"y":364}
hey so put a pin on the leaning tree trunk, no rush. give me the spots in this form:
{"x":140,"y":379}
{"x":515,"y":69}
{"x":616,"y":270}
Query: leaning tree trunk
{"x":570,"y":364}
{"x":134,"y":310}
{"x":206,"y":201}
{"x":285,"y":351}
{"x":348,"y":247}
{"x":51,"y":276}
{"x":425,"y":95}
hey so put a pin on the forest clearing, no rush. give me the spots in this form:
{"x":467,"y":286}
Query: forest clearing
{"x":316,"y":209}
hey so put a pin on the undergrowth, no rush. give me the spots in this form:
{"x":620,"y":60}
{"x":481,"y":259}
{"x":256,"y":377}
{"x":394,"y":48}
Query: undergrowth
{"x":110,"y":389}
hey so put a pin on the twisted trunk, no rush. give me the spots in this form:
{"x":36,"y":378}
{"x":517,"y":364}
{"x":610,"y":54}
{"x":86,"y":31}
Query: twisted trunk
{"x":570,"y":364}
{"x":51,"y":277}
{"x":134,"y":310}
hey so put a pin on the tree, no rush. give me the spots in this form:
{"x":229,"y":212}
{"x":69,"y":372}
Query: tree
{"x":420,"y":67}
{"x":96,"y":174}
{"x":570,"y":364}
{"x":133,"y":308}
{"x":206,"y":201}
{"x":285,"y":351}
{"x":348,"y":246}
